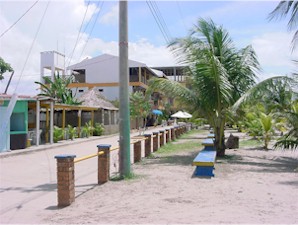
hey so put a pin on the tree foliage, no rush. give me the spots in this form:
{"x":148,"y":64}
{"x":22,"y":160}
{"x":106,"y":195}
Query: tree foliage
{"x":58,"y":89}
{"x":219,"y":74}
{"x":4,"y":67}
{"x":139,"y":106}
{"x":284,"y":9}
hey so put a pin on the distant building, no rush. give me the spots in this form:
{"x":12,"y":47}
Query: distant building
{"x":175,"y":73}
{"x":102,"y":73}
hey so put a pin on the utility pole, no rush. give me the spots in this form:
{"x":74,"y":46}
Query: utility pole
{"x":124,"y":120}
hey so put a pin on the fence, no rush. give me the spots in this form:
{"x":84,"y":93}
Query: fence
{"x":143,"y":146}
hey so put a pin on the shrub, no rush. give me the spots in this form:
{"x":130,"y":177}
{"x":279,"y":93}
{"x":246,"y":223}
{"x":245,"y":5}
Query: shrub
{"x":98,"y":129}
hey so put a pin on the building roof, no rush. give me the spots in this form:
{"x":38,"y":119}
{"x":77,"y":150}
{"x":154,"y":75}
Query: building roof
{"x":20,"y":97}
{"x":107,"y":57}
{"x":94,"y":98}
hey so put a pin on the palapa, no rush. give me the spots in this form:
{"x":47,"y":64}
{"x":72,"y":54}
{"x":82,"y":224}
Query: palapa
{"x":94,"y":98}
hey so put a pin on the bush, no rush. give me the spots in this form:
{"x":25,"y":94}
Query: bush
{"x":57,"y":134}
{"x":98,"y":129}
{"x":72,"y":132}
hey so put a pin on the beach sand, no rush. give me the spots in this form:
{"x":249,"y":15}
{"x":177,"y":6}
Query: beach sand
{"x":250,"y":186}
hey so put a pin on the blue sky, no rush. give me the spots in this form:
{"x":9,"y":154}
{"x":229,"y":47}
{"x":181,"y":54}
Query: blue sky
{"x":246,"y":21}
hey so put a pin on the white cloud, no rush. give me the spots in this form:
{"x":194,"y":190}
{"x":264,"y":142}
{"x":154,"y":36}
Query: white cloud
{"x":274,"y":54}
{"x":111,"y":17}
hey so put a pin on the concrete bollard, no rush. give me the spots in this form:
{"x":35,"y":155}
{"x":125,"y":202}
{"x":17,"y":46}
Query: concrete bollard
{"x":148,"y":144}
{"x":155,"y":141}
{"x":137,"y":151}
{"x":65,"y":179}
{"x":103,"y":173}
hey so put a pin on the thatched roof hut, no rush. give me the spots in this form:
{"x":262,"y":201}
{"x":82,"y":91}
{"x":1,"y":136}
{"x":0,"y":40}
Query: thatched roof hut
{"x":95,"y":99}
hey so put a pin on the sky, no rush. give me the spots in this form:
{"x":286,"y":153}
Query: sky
{"x":80,"y":29}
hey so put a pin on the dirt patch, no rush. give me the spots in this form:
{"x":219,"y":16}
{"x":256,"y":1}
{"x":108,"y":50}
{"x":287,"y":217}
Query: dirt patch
{"x":248,"y":187}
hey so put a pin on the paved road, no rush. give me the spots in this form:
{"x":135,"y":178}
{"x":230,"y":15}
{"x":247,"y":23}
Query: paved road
{"x":28,"y":177}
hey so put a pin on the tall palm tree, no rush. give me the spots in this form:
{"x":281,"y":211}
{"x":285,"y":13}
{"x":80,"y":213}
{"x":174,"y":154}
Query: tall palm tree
{"x":281,"y":11}
{"x":219,"y":74}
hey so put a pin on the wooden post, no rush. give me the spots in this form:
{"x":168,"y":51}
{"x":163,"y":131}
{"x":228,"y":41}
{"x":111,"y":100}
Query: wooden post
{"x":137,"y":151}
{"x":173,"y":134}
{"x":168,"y":135}
{"x":155,"y":141}
{"x":162,"y":137}
{"x":65,"y":179}
{"x":148,"y":144}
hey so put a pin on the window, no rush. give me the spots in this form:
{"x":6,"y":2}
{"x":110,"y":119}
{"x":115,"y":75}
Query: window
{"x":100,"y":90}
{"x":81,"y":91}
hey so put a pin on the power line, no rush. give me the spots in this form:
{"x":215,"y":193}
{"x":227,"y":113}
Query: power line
{"x":19,"y":19}
{"x":97,"y":15}
{"x":159,"y":21}
{"x":79,"y":34}
{"x":163,"y":22}
{"x":31,"y":47}
{"x":181,"y":14}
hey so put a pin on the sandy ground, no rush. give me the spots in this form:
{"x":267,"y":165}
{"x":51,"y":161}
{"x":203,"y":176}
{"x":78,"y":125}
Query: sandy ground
{"x":250,"y":186}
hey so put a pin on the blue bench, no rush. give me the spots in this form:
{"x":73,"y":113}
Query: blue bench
{"x":208,"y":144}
{"x":211,"y":135}
{"x":205,"y":160}
{"x":204,"y":163}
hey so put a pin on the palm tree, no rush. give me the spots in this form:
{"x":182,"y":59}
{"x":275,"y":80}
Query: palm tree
{"x":139,"y":108}
{"x":278,"y":97}
{"x":219,"y":74}
{"x":290,"y":139}
{"x":281,"y":11}
{"x":58,"y":89}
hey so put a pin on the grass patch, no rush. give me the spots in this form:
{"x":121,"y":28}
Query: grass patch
{"x":252,"y":143}
{"x":131,"y":176}
{"x":178,"y":147}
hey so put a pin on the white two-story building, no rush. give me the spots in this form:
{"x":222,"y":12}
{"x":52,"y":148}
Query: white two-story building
{"x":102,"y":72}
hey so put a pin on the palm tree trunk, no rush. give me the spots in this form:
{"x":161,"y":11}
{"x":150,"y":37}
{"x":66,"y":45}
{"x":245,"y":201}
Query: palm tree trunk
{"x":220,"y":138}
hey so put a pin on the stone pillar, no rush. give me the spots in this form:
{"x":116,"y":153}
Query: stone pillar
{"x":65,"y":179}
{"x":137,"y":151}
{"x":155,"y":141}
{"x":148,"y":145}
{"x":162,"y":137}
{"x":103,"y":173}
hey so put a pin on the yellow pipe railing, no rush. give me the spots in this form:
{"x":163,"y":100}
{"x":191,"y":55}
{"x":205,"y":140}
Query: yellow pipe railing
{"x":88,"y":157}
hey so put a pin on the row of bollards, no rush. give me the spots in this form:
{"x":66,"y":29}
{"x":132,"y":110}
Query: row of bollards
{"x":66,"y":169}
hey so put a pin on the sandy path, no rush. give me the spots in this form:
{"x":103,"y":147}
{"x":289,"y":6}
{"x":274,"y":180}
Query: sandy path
{"x":250,"y":186}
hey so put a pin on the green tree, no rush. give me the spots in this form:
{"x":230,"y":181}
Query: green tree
{"x":290,"y":139}
{"x":278,"y":97}
{"x":282,"y":10}
{"x":139,"y":107}
{"x":4,"y":67}
{"x":58,"y":89}
{"x":219,"y":74}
